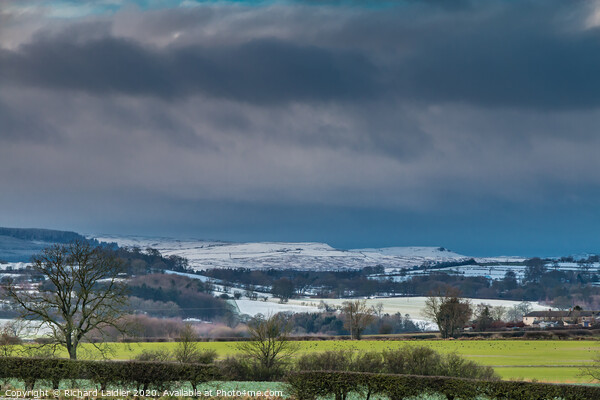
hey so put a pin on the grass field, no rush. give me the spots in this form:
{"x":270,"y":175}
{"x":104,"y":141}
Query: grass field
{"x":550,"y":361}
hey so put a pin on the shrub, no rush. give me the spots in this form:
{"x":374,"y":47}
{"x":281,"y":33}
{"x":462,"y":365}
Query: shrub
{"x":370,"y":361}
{"x":341,"y":360}
{"x":455,"y":365}
{"x":195,"y":357}
{"x":326,"y":361}
{"x":151,"y":355}
{"x":246,"y":368}
{"x":204,"y":357}
{"x":235,"y":368}
{"x":418,"y":360}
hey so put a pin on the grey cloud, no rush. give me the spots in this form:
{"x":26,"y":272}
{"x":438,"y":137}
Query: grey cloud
{"x":263,"y":71}
{"x":17,"y":126}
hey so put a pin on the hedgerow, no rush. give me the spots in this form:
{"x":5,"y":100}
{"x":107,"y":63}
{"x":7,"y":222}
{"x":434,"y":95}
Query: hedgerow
{"x":309,"y":385}
{"x":142,"y":374}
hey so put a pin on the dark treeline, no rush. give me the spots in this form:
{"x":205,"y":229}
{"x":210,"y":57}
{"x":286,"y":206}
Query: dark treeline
{"x":149,"y":261}
{"x":43,"y":235}
{"x":447,"y":264}
{"x":351,"y":283}
{"x":331,"y":323}
{"x":173,"y":295}
{"x":331,"y":284}
{"x":543,"y":281}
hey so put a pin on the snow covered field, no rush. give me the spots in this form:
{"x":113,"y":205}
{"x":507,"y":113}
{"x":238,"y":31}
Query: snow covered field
{"x":270,"y":307}
{"x":413,"y":306}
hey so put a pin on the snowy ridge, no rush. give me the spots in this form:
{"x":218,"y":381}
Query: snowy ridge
{"x":302,"y":255}
{"x":425,"y":252}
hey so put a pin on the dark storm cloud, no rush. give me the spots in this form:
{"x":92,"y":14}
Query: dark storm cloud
{"x":262,"y":71}
{"x":522,"y":57}
{"x":534,"y":54}
{"x":525,"y":54}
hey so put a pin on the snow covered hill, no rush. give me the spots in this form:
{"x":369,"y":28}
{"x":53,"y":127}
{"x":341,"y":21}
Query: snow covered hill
{"x":263,"y":255}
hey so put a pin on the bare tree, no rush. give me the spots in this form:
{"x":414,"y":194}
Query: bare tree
{"x":187,"y":347}
{"x":324,"y":307}
{"x":448,"y":311}
{"x":81,"y":294}
{"x":498,"y":313}
{"x":10,"y":337}
{"x":357,"y":316}
{"x":525,"y":307}
{"x":269,"y":342}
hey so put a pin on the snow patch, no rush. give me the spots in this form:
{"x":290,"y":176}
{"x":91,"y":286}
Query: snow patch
{"x":252,"y":308}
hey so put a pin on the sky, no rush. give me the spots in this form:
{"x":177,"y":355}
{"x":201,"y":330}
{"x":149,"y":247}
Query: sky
{"x":472,"y":125}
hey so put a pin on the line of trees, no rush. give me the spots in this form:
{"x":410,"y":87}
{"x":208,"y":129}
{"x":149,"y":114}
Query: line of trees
{"x":541,"y":282}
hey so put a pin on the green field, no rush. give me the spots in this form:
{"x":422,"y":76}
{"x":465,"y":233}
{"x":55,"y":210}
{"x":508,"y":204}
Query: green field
{"x":551,"y":361}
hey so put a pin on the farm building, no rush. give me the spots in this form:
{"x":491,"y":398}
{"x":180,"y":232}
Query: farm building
{"x":570,"y":317}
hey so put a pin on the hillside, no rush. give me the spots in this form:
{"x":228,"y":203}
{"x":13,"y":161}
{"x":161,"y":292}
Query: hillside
{"x":19,"y":244}
{"x":280,"y":255}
